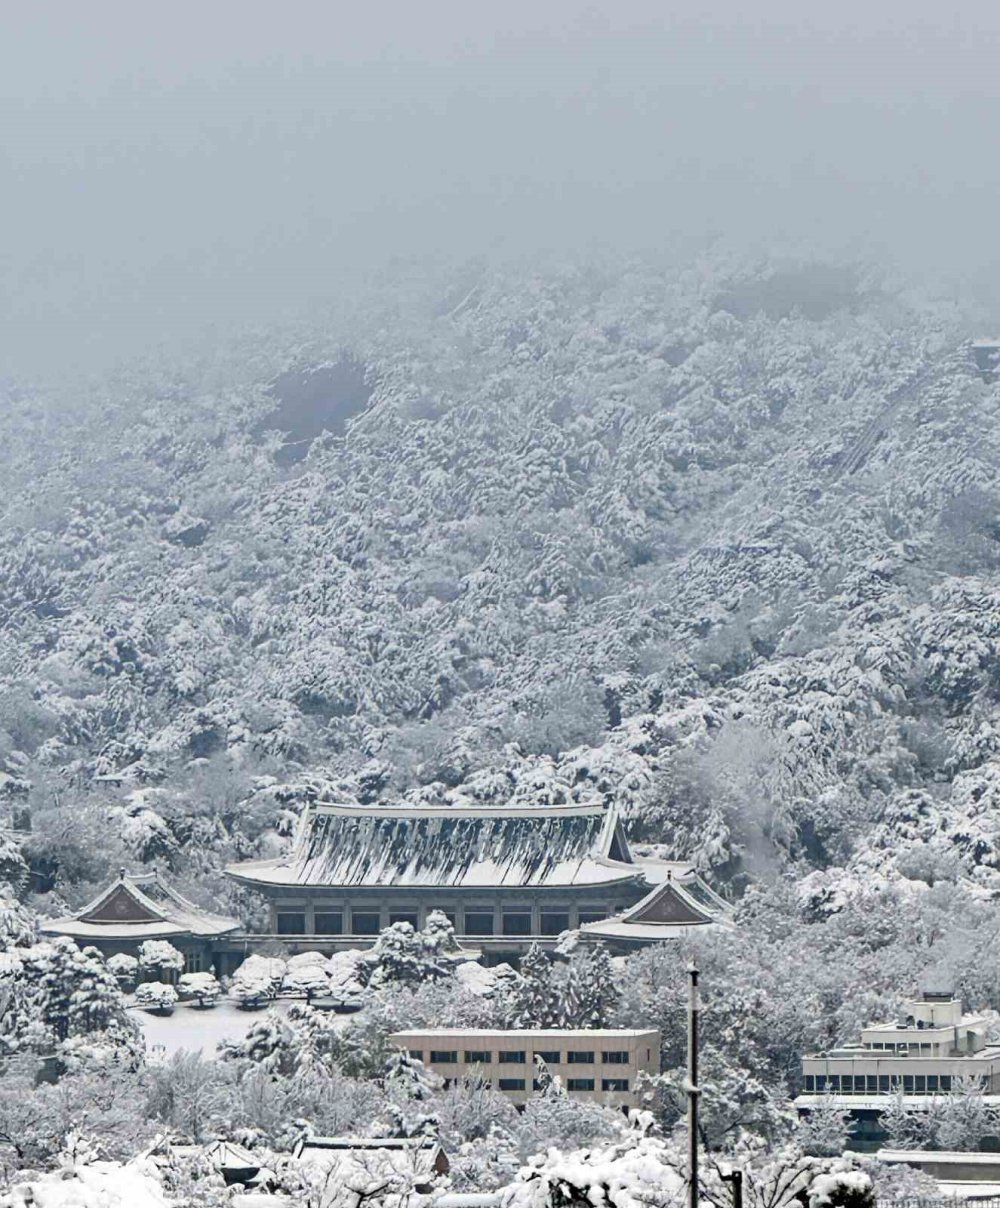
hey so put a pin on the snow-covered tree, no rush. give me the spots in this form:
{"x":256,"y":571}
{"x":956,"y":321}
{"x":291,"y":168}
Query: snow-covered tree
{"x":160,"y":960}
{"x":155,"y":996}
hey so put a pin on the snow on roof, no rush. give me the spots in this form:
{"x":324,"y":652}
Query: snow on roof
{"x":139,"y":906}
{"x":667,"y":912}
{"x":949,"y":1157}
{"x":344,"y":845}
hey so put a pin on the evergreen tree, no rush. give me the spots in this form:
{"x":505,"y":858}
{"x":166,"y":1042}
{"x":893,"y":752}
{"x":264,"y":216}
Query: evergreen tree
{"x":590,"y":994}
{"x":534,"y":1001}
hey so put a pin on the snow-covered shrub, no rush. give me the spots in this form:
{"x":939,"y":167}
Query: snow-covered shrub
{"x":347,"y":975}
{"x":159,"y":957}
{"x":90,"y":1185}
{"x":156,"y":996}
{"x":125,"y":968}
{"x":201,"y":989}
{"x":306,"y":974}
{"x":634,"y":1174}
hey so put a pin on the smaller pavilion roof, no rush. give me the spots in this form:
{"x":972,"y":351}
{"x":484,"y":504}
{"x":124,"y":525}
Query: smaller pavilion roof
{"x":680,"y":901}
{"x":139,"y":906}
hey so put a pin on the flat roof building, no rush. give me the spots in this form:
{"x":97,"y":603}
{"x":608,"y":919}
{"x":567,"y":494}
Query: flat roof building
{"x":930,"y":1048}
{"x":601,"y":1065}
{"x":505,"y":877}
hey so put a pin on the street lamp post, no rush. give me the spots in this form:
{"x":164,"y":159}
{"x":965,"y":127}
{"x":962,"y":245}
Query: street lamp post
{"x":693,"y":1009}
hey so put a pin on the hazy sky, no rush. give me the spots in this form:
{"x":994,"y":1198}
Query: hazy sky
{"x":163,"y":168}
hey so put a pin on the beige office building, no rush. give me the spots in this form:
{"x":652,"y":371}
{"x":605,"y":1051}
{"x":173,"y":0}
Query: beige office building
{"x":599,"y":1065}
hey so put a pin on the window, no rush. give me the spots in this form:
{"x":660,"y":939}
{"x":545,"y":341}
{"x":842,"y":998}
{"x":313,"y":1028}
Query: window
{"x":871,"y":1084}
{"x":549,"y":1056}
{"x":945,"y":1081}
{"x":517,"y":922}
{"x":479,"y":922}
{"x":592,"y":916}
{"x":365,"y":922}
{"x":554,"y":921}
{"x":832,"y":1082}
{"x":907,"y":1084}
{"x":511,"y":1084}
{"x":329,"y":922}
{"x":920,"y":1084}
{"x":417,"y":1054}
{"x":884,"y":1083}
{"x":580,"y":1084}
{"x":291,"y":924}
{"x":580,"y":1057}
{"x":808,"y":1083}
{"x":614,"y":1084}
{"x":192,"y":962}
{"x":443,"y":1057}
{"x":820,"y":1082}
{"x":404,"y":917}
{"x":859,"y":1084}
{"x":615,"y":1057}
{"x":512,"y":1057}
{"x":477,"y":1057}
{"x":932,"y":1083}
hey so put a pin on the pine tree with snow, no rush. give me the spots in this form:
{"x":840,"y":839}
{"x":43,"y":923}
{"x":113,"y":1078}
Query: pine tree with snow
{"x":591,"y":993}
{"x":160,"y":959}
{"x":408,"y":1076}
{"x":533,"y":1001}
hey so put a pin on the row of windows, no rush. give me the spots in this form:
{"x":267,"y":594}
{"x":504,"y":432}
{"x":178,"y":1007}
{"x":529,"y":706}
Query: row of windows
{"x":902,"y":1047}
{"x":872,"y":1084}
{"x":475,"y":922}
{"x":519,"y":1056}
{"x":572,"y":1084}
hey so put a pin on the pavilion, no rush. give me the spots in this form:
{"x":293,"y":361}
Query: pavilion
{"x":141,"y":906}
{"x":670,"y":910}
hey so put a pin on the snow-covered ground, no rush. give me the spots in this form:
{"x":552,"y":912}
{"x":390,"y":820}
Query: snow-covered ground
{"x":192,"y":1029}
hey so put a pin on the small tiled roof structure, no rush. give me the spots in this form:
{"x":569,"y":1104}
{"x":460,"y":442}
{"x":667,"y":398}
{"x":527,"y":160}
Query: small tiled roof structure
{"x":418,"y":1159}
{"x":137,"y":907}
{"x":428,"y":847}
{"x":681,"y":901}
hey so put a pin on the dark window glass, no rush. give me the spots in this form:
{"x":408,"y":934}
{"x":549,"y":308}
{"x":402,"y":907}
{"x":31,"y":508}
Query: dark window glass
{"x":478,"y":922}
{"x":615,"y":1057}
{"x":580,"y":1057}
{"x":871,"y":1084}
{"x":192,"y":962}
{"x":512,"y":1057}
{"x":920,"y":1084}
{"x":291,"y":924}
{"x":554,"y":921}
{"x":859,"y":1084}
{"x":592,"y":916}
{"x":443,"y":1056}
{"x":833,"y":1081}
{"x":477,"y":1057}
{"x":580,"y":1084}
{"x":511,"y":1084}
{"x":810,"y":1083}
{"x":329,"y":922}
{"x":932,"y":1083}
{"x":907,"y":1084}
{"x":418,"y":1054}
{"x":821,"y":1082}
{"x":614,"y":1084}
{"x":450,"y":916}
{"x":946,"y":1082}
{"x":404,"y":917}
{"x":884,"y":1083}
{"x":549,"y":1056}
{"x":517,"y":923}
{"x":365,"y":923}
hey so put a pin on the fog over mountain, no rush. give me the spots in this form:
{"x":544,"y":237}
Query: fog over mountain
{"x":164,"y":173}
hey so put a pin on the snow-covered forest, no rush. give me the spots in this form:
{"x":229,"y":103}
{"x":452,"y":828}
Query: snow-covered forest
{"x":715,"y":541}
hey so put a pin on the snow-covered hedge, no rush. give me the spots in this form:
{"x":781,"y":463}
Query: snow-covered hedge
{"x":156,"y":996}
{"x":200,"y":988}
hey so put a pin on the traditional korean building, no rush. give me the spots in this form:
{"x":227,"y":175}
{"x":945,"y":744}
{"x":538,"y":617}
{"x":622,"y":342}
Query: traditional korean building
{"x":669,"y":911}
{"x":505,"y":877}
{"x":142,"y":906}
